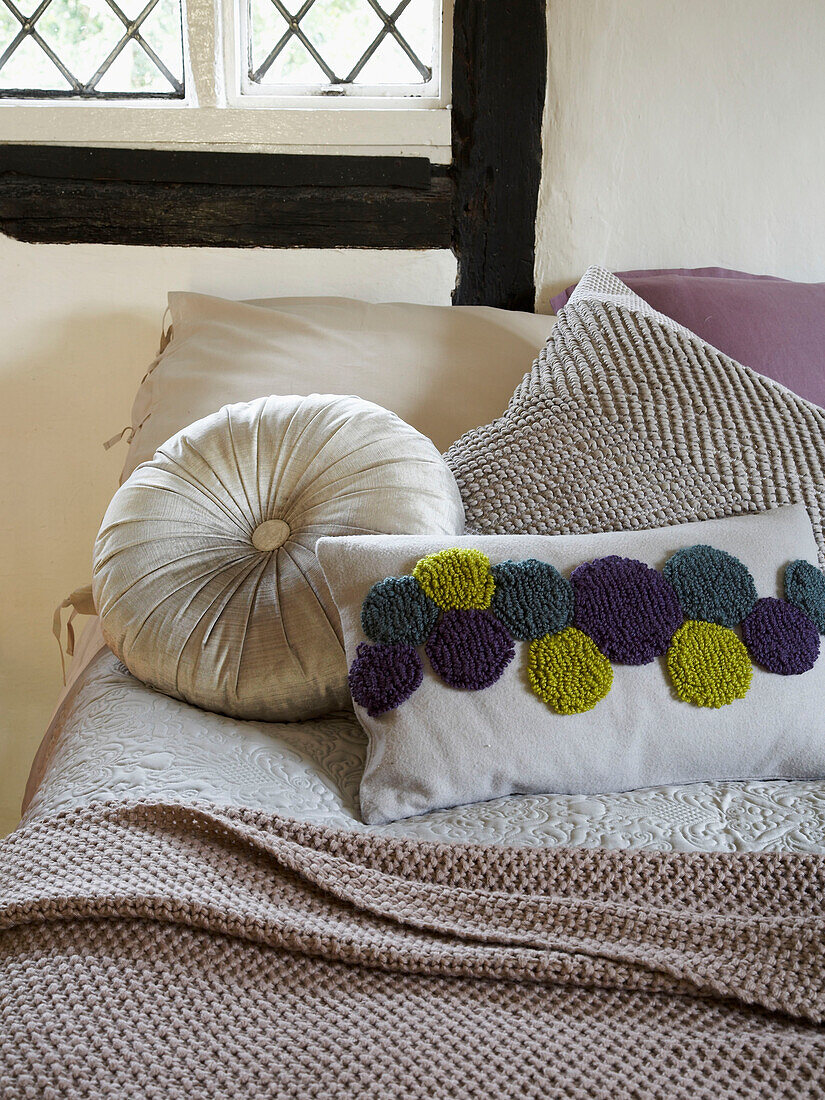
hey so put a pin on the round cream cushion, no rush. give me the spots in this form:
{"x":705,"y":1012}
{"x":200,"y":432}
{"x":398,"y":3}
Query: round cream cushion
{"x":205,"y":576}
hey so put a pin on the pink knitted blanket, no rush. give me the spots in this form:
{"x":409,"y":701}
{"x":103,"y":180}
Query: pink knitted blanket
{"x":153,"y":950}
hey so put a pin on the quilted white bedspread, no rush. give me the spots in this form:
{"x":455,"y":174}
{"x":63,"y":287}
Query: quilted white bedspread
{"x":114,"y":737}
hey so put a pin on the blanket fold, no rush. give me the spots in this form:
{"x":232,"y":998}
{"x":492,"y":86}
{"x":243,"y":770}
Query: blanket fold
{"x":736,"y":934}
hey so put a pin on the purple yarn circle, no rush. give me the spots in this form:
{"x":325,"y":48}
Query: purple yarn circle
{"x":780,"y":637}
{"x":628,"y":609}
{"x":469,"y":649}
{"x":382,"y":677}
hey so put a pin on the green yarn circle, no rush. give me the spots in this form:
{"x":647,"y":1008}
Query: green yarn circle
{"x":457,"y":579}
{"x":568,"y":672}
{"x":708,"y":664}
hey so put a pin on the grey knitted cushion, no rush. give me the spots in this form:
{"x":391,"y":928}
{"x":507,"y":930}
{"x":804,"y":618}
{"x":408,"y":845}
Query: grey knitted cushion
{"x":627,"y":420}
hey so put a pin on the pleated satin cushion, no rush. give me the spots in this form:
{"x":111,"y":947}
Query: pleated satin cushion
{"x":205,"y":575}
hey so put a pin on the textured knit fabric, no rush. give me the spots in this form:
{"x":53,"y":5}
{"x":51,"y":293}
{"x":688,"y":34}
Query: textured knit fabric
{"x":774,"y":325}
{"x":156,"y":951}
{"x":628,"y":420}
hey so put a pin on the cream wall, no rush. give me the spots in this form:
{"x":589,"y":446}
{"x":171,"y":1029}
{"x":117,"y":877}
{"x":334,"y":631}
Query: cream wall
{"x":79,"y":326}
{"x":683,"y":133}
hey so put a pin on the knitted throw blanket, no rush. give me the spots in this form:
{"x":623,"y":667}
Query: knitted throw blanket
{"x":628,"y":421}
{"x":152,"y":950}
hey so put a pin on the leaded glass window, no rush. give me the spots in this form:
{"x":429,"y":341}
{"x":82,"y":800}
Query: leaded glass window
{"x":343,"y":46}
{"x":91,"y":49}
{"x":99,"y":49}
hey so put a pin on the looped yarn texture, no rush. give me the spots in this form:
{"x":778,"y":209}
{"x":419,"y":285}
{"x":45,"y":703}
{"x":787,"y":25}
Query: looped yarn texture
{"x":805,"y":589}
{"x":781,"y":638}
{"x":711,"y":585}
{"x":469,"y":649}
{"x":396,"y":611}
{"x":629,"y":610}
{"x":531,"y":598}
{"x":567,"y":671}
{"x":382,"y":677}
{"x":466,"y":614}
{"x":708,"y":664}
{"x":457,"y":580}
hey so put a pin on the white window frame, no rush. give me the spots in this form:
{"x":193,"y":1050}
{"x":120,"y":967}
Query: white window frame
{"x":217,"y":116}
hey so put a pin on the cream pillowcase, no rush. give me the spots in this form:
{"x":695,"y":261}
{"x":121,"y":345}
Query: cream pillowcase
{"x":443,"y":369}
{"x":636,"y":674}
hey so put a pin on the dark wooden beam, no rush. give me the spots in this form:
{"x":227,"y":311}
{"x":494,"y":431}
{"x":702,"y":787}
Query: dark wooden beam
{"x":499,"y":77}
{"x":240,"y":169}
{"x":111,"y":196}
{"x":283,"y":213}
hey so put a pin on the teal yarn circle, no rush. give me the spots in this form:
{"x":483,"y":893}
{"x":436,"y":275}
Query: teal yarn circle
{"x":531,"y":598}
{"x":397,"y":611}
{"x":711,"y":585}
{"x":805,"y":589}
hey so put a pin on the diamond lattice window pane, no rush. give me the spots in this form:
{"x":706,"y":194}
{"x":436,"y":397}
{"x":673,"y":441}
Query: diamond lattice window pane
{"x":161,"y":32}
{"x":341,"y":42}
{"x":417,"y":24}
{"x":81,"y":35}
{"x":294,"y":65}
{"x":25,"y":7}
{"x":389,"y":65}
{"x":28,"y":66}
{"x":133,"y":70}
{"x":341,"y":31}
{"x":92,"y":48}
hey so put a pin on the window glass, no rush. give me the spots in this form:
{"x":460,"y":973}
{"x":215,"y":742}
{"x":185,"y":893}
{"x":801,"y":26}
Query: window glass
{"x":340,"y":45}
{"x":91,"y":48}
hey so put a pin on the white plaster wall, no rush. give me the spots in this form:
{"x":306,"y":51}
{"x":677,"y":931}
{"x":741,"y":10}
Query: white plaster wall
{"x":79,"y":326}
{"x":683,"y":133}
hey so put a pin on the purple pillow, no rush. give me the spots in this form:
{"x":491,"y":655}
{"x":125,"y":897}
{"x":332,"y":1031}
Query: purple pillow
{"x":775,"y":326}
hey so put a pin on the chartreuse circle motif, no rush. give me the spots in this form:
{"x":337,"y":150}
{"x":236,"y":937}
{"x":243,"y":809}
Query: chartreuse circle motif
{"x":805,"y":589}
{"x":711,"y":585}
{"x":708,"y":664}
{"x":398,"y":611}
{"x":531,"y":598}
{"x":467,"y":613}
{"x":457,"y":580}
{"x":568,"y":672}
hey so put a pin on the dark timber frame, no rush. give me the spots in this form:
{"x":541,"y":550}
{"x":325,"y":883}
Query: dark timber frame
{"x":499,"y":76}
{"x":483,"y":205}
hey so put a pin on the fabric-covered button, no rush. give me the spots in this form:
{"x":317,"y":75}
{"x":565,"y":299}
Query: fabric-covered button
{"x":270,"y":534}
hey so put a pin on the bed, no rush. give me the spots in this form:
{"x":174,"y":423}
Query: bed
{"x":194,"y":906}
{"x":115,"y":738}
